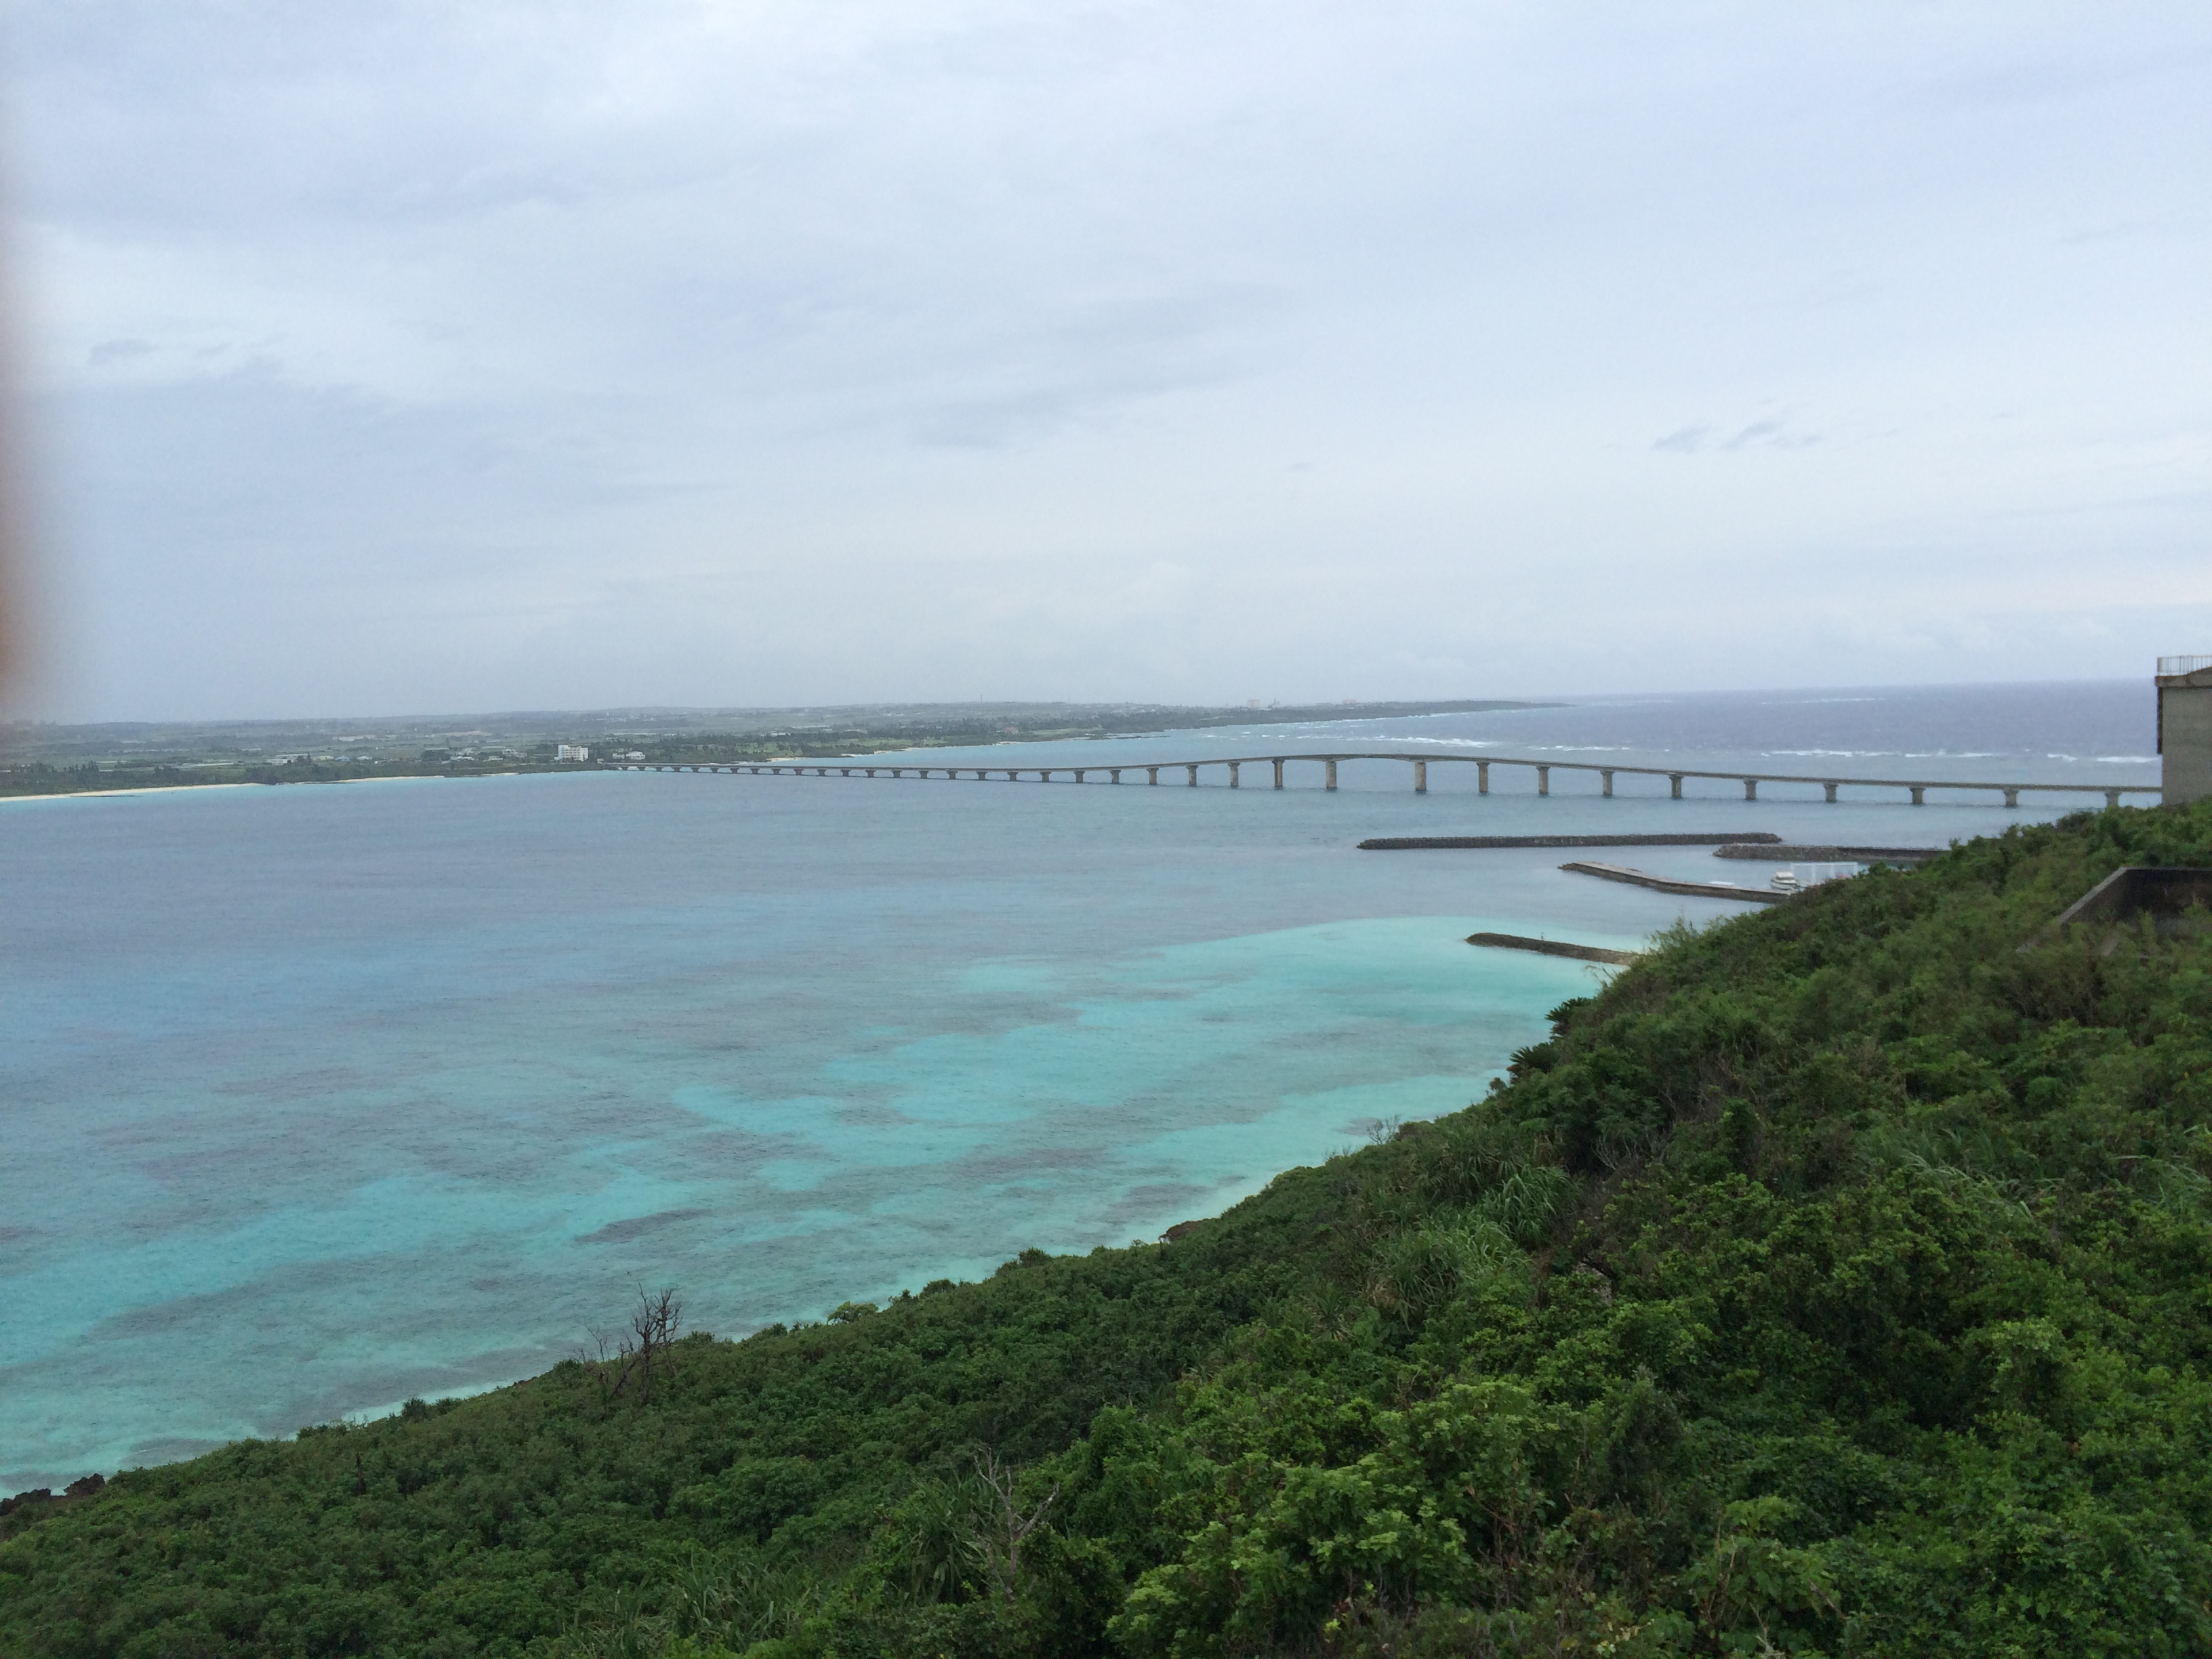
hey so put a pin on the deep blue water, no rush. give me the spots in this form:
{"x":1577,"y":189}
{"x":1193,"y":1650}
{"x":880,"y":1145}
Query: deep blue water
{"x":317,"y":1098}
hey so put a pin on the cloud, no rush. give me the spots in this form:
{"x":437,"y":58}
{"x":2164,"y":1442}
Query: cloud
{"x":1771,"y":433}
{"x":116,"y":351}
{"x":577,"y":329}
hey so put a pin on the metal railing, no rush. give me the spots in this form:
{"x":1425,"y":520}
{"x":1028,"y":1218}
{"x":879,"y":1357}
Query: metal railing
{"x":2167,"y":665}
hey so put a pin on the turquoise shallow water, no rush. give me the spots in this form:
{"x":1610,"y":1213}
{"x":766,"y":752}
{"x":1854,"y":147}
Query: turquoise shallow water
{"x":319,"y":1099}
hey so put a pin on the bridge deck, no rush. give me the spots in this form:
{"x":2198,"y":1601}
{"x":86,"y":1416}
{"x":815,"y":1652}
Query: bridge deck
{"x":1831,"y":782}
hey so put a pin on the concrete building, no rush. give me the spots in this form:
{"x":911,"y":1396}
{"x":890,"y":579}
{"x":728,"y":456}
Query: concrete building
{"x":572,"y":751}
{"x":2184,"y":727}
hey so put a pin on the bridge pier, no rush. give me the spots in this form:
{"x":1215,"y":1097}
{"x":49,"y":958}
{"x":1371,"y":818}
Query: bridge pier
{"x":1609,"y":776}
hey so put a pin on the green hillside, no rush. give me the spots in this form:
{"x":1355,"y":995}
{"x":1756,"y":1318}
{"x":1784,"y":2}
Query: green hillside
{"x":1838,"y":1281}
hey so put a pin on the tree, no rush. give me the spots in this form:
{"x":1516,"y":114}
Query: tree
{"x":1004,"y":1524}
{"x":653,"y":1324}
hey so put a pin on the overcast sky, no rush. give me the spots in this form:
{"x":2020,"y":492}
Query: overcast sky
{"x":416,"y":356}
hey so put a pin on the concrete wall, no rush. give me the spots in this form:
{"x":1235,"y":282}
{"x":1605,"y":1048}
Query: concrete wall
{"x":2184,"y":735}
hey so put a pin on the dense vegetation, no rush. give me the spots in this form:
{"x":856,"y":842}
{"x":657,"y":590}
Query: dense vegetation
{"x":1838,"y":1280}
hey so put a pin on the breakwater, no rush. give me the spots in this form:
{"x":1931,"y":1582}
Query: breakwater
{"x":1794,"y":854}
{"x":1552,"y":947}
{"x":1667,"y":885}
{"x":1756,"y":839}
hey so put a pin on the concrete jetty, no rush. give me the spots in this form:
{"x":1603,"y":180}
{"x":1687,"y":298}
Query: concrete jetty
{"x":1756,"y":841}
{"x":1796,"y":855}
{"x":1552,"y":947}
{"x":1667,"y":885}
{"x":1232,"y":766}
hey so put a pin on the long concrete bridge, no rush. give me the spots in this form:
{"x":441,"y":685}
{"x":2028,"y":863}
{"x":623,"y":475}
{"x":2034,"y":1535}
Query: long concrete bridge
{"x":1917,"y":787}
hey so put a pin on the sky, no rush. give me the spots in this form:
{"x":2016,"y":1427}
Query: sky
{"x":417,"y":356}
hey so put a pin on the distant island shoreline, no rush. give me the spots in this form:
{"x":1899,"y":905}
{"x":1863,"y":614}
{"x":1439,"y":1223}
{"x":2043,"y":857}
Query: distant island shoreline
{"x":43,"y":761}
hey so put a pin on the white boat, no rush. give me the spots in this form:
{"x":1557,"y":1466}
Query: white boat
{"x":1784,"y":881}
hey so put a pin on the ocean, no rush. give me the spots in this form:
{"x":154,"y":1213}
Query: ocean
{"x":319,"y":1099}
